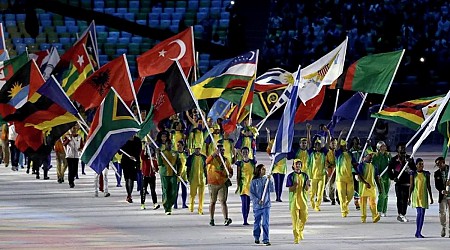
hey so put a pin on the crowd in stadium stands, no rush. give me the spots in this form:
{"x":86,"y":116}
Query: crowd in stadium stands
{"x":300,"y":31}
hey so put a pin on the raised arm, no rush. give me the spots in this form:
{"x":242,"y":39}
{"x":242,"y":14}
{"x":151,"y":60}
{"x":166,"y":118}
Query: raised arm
{"x":308,"y":135}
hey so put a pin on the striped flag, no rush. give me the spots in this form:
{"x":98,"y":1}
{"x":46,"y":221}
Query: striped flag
{"x":285,"y":133}
{"x":274,"y":76}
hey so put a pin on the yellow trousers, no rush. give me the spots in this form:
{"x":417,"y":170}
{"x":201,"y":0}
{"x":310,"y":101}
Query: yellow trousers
{"x":299,"y":218}
{"x":195,"y":189}
{"x":372,"y":205}
{"x":345,"y":193}
{"x":317,"y":187}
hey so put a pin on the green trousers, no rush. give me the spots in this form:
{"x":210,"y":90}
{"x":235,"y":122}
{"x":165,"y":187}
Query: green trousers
{"x":169,"y":191}
{"x":383,"y":197}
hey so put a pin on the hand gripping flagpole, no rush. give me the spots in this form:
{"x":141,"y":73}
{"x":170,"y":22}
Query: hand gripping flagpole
{"x":381,"y":106}
{"x":203,"y":117}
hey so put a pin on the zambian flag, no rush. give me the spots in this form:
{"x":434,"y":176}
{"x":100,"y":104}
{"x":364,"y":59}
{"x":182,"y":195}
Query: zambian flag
{"x":410,"y":113}
{"x":444,"y":129}
{"x":370,"y":74}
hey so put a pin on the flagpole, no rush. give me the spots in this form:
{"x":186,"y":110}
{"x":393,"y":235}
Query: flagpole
{"x":382,"y":104}
{"x":422,"y":126}
{"x":356,"y":117}
{"x":268,"y":180}
{"x":272,"y":110}
{"x":251,"y":105}
{"x":202,"y":116}
{"x":132,"y":88}
{"x":193,"y":54}
{"x":336,"y":102}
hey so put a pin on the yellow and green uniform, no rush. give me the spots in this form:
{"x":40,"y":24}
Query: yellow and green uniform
{"x":317,"y":174}
{"x":196,"y":173}
{"x":246,"y":141}
{"x":298,"y":203}
{"x":211,"y":146}
{"x":369,"y":173}
{"x":381,"y":162}
{"x":196,"y":140}
{"x":344,"y":179}
{"x":177,"y":136}
{"x":168,"y":178}
{"x":246,"y":175}
{"x":228,"y":145}
{"x":303,"y":156}
{"x":183,"y":171}
{"x":419,"y":195}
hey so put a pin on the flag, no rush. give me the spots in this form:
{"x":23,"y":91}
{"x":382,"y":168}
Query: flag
{"x":371,"y":74}
{"x":3,"y":51}
{"x":170,"y":95}
{"x":113,"y":74}
{"x":39,"y":57}
{"x":73,"y":68}
{"x":49,"y":63}
{"x":265,"y":96}
{"x":307,"y":112}
{"x":236,"y":71}
{"x":9,"y":67}
{"x":36,"y":143}
{"x":247,"y":98}
{"x":285,"y":133}
{"x":112,"y":126}
{"x":89,"y":38}
{"x":322,"y":72}
{"x":21,"y":86}
{"x":444,"y":129}
{"x":275,"y":76}
{"x":48,"y":107}
{"x":411,"y":113}
{"x":347,"y":110}
{"x":436,"y":121}
{"x":219,"y":109}
{"x":177,"y":48}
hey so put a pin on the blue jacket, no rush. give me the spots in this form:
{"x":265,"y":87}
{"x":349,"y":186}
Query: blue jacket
{"x":256,"y":192}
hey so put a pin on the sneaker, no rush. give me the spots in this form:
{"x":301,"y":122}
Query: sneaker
{"x":184,"y":206}
{"x":245,"y":224}
{"x":96,"y":194}
{"x":317,"y":209}
{"x":257,"y":242}
{"x":399,"y":218}
{"x":46,"y":178}
{"x":37,"y":177}
{"x":200,"y":213}
{"x":404,"y":219}
{"x":129,"y":199}
{"x":156,"y":206}
{"x":443,"y":232}
{"x":168,"y":213}
{"x":227,"y":221}
{"x":326,"y":199}
{"x":211,"y":223}
{"x":377,"y":218}
{"x":383,"y":215}
{"x":107,"y":194}
{"x":333,"y":202}
{"x":358,"y":208}
{"x":363,"y":220}
{"x":142,"y":206}
{"x":72,"y":185}
{"x":267,"y":243}
{"x":118,"y":185}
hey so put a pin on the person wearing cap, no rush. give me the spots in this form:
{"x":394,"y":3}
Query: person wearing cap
{"x":302,"y":152}
{"x":402,"y":182}
{"x":278,"y":170}
{"x":368,"y":177}
{"x":246,"y":139}
{"x":218,"y":183}
{"x":196,"y":174}
{"x":168,"y":175}
{"x":216,"y":136}
{"x":381,"y":160}
{"x":245,"y":170}
{"x":419,"y":191}
{"x":344,"y":177}
{"x":442,"y":185}
{"x":298,"y":183}
{"x":183,"y":155}
{"x":317,"y":170}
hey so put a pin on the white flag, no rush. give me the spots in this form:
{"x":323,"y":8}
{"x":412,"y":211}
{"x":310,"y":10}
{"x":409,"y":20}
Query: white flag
{"x":49,"y":63}
{"x":322,"y":72}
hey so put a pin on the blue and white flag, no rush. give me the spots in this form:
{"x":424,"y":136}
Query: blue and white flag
{"x":219,"y":109}
{"x":274,"y":76}
{"x":285,"y":133}
{"x":347,"y":111}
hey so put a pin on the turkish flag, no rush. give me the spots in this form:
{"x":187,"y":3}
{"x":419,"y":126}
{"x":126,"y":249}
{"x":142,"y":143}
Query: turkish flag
{"x":158,"y":59}
{"x":308,"y":111}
